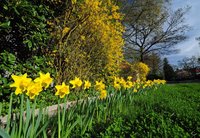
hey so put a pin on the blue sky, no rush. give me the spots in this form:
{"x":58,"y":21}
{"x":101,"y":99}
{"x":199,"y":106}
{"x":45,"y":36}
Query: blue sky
{"x":190,"y":46}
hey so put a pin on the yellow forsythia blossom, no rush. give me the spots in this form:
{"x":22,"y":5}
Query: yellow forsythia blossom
{"x":83,"y":37}
{"x":129,"y":78}
{"x":105,"y":15}
{"x":115,"y":8}
{"x":62,"y":90}
{"x":87,"y":84}
{"x":74,"y":2}
{"x":33,"y":89}
{"x":21,"y":83}
{"x":142,"y":70}
{"x":65,"y":30}
{"x":103,"y":94}
{"x":76,"y":83}
{"x":44,"y":79}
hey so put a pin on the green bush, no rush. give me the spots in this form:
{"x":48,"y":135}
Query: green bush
{"x":24,"y":37}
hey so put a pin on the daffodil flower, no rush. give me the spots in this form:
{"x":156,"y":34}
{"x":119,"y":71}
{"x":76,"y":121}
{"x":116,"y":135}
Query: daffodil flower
{"x":76,"y":83}
{"x":103,"y":94}
{"x":62,"y":90}
{"x":44,"y":79}
{"x":21,"y":83}
{"x":100,"y":86}
{"x":33,"y":90}
{"x":87,"y":84}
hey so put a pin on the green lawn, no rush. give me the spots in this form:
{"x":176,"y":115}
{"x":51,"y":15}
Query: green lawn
{"x":172,"y":110}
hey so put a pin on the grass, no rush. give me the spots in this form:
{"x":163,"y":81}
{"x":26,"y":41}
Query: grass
{"x":170,"y":111}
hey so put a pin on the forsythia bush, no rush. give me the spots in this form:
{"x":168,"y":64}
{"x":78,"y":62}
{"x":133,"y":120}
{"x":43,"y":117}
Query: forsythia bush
{"x":141,"y":70}
{"x":87,"y":40}
{"x":104,"y":22}
{"x":137,"y":70}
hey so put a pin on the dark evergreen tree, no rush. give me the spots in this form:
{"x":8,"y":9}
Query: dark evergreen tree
{"x":168,"y":71}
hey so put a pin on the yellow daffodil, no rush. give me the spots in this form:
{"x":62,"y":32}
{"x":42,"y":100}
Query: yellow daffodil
{"x":138,"y":80}
{"x":149,"y":83}
{"x":138,"y":86}
{"x":129,"y":84}
{"x":117,"y":86}
{"x":62,"y":90}
{"x":76,"y":83}
{"x":123,"y":83}
{"x":117,"y":79}
{"x":162,"y":81}
{"x":44,"y":79}
{"x":100,"y":86}
{"x":135,"y":90}
{"x":103,"y":94}
{"x":87,"y":84}
{"x":33,"y":89}
{"x":21,"y":83}
{"x":144,"y":86}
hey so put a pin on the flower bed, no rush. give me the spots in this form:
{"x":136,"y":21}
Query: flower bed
{"x":37,"y":122}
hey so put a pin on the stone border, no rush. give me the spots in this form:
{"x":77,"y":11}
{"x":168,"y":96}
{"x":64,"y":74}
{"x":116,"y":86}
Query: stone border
{"x":50,"y":110}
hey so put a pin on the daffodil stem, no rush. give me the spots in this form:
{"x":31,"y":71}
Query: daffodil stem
{"x":59,"y":127}
{"x":9,"y":114}
{"x":21,"y":115}
{"x":33,"y":115}
{"x":64,"y":111}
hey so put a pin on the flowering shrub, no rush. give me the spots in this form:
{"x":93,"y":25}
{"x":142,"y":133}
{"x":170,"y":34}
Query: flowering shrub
{"x":87,"y":40}
{"x":137,"y":70}
{"x":141,"y":70}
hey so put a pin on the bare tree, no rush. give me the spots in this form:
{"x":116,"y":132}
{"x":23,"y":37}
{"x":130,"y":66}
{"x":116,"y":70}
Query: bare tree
{"x":151,"y":27}
{"x":188,"y":62}
{"x":198,"y":39}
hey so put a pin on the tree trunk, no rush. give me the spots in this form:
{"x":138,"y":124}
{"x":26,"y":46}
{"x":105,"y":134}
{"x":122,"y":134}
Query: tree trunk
{"x":141,"y":57}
